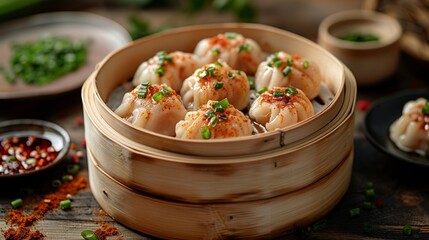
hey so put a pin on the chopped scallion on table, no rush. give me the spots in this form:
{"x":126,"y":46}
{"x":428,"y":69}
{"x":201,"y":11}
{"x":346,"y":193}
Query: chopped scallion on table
{"x":65,"y":204}
{"x":89,"y":235}
{"x":16,"y":203}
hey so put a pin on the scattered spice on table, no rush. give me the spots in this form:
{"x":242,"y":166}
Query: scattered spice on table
{"x":23,"y":233}
{"x":105,"y":231}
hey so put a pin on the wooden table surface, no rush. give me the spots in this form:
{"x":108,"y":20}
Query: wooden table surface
{"x":403,"y":187}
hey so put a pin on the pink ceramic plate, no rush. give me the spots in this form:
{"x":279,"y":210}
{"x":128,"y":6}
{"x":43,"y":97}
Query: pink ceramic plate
{"x":104,"y":36}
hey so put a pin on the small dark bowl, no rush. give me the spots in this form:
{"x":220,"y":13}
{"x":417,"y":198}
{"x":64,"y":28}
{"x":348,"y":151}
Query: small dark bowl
{"x":59,"y":138}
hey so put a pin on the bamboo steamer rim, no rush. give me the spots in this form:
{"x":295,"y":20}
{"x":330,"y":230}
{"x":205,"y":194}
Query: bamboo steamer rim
{"x":346,"y":113}
{"x":104,"y":109}
{"x":199,"y":218}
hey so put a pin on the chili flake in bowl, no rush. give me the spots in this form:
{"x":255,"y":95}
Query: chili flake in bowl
{"x":29,"y":145}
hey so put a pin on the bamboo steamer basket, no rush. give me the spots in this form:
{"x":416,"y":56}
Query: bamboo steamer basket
{"x":222,"y":179}
{"x":185,"y":189}
{"x":121,"y":65}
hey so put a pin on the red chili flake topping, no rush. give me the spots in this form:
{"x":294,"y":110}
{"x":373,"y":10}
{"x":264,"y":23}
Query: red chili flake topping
{"x":83,"y":143}
{"x":379,"y":202}
{"x":24,"y":154}
{"x":363,"y":104}
{"x":74,"y":158}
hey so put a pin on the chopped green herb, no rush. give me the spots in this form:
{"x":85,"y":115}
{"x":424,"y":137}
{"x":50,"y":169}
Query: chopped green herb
{"x":354,"y":212}
{"x":369,"y":193}
{"x":305,"y":64}
{"x":210,"y":113}
{"x":73,"y":169}
{"x":160,"y":71}
{"x":212,"y":71}
{"x":89,"y":235}
{"x":205,"y":132}
{"x":231,"y":35}
{"x":231,"y":75}
{"x":289,"y":61}
{"x":407,"y":230}
{"x":65,"y":204}
{"x":218,"y":64}
{"x":16,"y":203}
{"x":359,"y":37}
{"x":319,"y":225}
{"x":278,"y":93}
{"x":221,"y":105}
{"x":203,"y":73}
{"x":367,"y":205}
{"x":262,"y":90}
{"x":287,"y":71}
{"x":165,"y":91}
{"x":213,"y":121}
{"x":158,"y":96}
{"x":278,"y":63}
{"x":218,"y":85}
{"x":369,"y":185}
{"x":67,"y":178}
{"x":425,"y":108}
{"x":56,"y":183}
{"x":367,"y":228}
{"x":215,"y":51}
{"x":291,"y":91}
{"x":244,"y":47}
{"x":239,"y":72}
{"x":223,"y":117}
{"x":143,"y":89}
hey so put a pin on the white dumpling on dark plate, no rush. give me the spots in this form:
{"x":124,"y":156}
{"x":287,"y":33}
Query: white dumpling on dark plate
{"x":233,"y":48}
{"x":214,"y":120}
{"x":153,"y":107}
{"x":170,"y":69}
{"x":283,"y":70}
{"x":216,"y":81}
{"x":280,"y":107}
{"x":410,"y":132}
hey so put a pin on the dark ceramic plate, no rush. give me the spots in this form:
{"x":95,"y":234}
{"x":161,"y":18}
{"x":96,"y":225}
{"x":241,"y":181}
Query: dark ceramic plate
{"x":58,"y":137}
{"x":382,"y":115}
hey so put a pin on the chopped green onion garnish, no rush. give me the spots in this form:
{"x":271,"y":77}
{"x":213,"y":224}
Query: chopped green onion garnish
{"x":291,"y":91}
{"x":278,"y":63}
{"x":305,"y":64}
{"x":211,"y":70}
{"x":161,"y":54}
{"x":67,"y":178}
{"x":64,"y":204}
{"x":210,"y":113}
{"x":239,"y":72}
{"x":30,"y":161}
{"x":165,"y":91}
{"x":231,"y":75}
{"x":213,"y":121}
{"x":169,"y":58}
{"x":215,"y":51}
{"x":16,"y":203}
{"x":262,"y":90}
{"x":218,"y":85}
{"x":56,"y":183}
{"x":274,"y":57}
{"x":231,"y":35}
{"x":251,"y":82}
{"x":407,"y":230}
{"x":218,"y":64}
{"x":367,"y":228}
{"x":203,"y":74}
{"x":425,"y":108}
{"x":158,"y":96}
{"x":73,"y":169}
{"x":319,"y":225}
{"x":369,"y":185}
{"x":143,"y":89}
{"x":354,"y":212}
{"x":89,"y":235}
{"x":289,"y":61}
{"x":369,"y":193}
{"x":223,"y":117}
{"x":244,"y":47}
{"x":367,"y":205}
{"x":287,"y":71}
{"x":221,"y":105}
{"x":278,"y":93}
{"x":160,"y":71}
{"x":205,"y":132}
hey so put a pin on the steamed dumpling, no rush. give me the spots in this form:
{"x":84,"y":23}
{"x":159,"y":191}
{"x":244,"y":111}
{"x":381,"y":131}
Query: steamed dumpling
{"x":281,"y":107}
{"x":215,"y":81}
{"x":153,"y":107}
{"x":239,"y":52}
{"x":214,"y":120}
{"x":283,"y":70}
{"x":170,"y":69}
{"x":411,"y":131}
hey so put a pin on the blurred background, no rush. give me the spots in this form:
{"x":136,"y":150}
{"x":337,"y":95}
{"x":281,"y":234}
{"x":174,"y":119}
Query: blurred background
{"x":142,"y":17}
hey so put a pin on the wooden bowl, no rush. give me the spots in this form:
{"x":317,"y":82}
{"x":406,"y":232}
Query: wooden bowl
{"x":121,"y":65}
{"x":371,"y":62}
